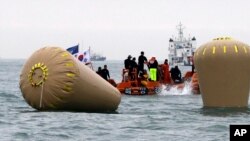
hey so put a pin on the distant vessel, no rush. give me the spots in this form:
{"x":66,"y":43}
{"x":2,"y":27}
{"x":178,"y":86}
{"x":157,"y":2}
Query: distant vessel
{"x":97,"y":57}
{"x":181,"y":49}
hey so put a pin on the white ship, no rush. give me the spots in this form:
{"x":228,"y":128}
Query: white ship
{"x":97,"y":57}
{"x":181,"y":49}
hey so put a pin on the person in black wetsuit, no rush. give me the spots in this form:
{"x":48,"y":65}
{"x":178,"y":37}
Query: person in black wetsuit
{"x":105,"y":73}
{"x":141,"y":60}
{"x":127,"y":62}
{"x":176,"y":74}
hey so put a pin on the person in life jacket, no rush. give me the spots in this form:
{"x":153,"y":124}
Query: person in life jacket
{"x":165,"y":72}
{"x":153,"y":65}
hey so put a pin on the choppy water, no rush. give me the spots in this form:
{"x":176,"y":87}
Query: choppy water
{"x":171,"y":115}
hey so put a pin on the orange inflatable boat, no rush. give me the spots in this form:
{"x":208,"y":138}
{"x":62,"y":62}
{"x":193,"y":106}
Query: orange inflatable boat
{"x":142,"y":86}
{"x":138,"y":85}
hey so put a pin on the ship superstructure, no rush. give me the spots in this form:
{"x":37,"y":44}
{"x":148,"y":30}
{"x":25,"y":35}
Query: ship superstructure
{"x":181,"y":49}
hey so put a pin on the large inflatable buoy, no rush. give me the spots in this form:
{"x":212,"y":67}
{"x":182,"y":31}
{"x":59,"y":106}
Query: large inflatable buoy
{"x":223,"y":67}
{"x":52,"y":79}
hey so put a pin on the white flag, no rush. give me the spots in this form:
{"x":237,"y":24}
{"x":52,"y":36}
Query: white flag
{"x":84,"y":57}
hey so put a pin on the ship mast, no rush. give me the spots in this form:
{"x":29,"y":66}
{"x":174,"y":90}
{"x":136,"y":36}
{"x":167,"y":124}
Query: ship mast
{"x":180,"y":32}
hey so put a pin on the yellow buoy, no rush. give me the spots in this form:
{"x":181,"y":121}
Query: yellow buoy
{"x":223,"y":67}
{"x":52,"y":79}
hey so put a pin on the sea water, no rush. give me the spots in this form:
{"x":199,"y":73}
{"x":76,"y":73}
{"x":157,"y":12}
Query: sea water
{"x":172,"y":115}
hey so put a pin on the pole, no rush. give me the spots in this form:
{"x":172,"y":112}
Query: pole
{"x":90,"y":59}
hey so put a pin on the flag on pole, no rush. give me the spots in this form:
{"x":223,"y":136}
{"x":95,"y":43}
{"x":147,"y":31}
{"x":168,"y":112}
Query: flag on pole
{"x":84,"y":57}
{"x":74,"y":50}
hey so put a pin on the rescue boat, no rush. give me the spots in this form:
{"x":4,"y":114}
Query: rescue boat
{"x":138,"y":85}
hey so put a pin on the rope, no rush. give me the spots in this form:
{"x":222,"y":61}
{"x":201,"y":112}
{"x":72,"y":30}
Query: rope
{"x":41,"y":97}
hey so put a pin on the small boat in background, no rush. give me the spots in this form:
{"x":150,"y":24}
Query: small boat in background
{"x":97,"y":57}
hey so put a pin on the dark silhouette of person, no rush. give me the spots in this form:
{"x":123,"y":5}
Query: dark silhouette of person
{"x":134,"y":65}
{"x":105,"y":73}
{"x":133,"y":69}
{"x":99,"y":71}
{"x":141,"y":60}
{"x":192,"y":63}
{"x":176,"y":74}
{"x":127,"y":62}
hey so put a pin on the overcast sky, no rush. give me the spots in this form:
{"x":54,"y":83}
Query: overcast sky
{"x":116,"y":28}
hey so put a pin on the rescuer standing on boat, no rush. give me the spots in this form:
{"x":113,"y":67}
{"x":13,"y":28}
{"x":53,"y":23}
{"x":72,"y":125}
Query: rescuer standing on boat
{"x":128,"y":66}
{"x":141,"y":60}
{"x":166,"y":73}
{"x":127,"y":62}
{"x":153,"y":65}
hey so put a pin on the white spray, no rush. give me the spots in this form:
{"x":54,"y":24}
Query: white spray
{"x":173,"y":90}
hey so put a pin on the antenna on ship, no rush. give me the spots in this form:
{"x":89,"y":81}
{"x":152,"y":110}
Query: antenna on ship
{"x":180,"y":31}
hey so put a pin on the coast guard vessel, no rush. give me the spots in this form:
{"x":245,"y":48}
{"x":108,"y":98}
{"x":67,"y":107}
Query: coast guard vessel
{"x":181,"y":49}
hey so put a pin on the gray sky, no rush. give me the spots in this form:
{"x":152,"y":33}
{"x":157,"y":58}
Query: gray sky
{"x":116,"y":28}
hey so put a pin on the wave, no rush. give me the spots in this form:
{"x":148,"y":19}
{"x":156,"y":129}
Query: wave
{"x":174,"y":90}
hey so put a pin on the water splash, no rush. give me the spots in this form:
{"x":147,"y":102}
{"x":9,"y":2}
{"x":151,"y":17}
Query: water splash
{"x":175,"y":90}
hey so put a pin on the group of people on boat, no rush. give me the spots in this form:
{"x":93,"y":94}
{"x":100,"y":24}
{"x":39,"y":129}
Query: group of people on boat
{"x":133,"y":71}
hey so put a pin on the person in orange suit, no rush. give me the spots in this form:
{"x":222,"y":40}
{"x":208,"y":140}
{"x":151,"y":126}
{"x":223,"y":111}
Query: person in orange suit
{"x":165,"y":72}
{"x":195,"y":84}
